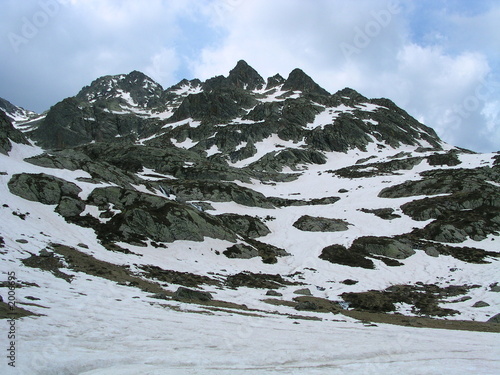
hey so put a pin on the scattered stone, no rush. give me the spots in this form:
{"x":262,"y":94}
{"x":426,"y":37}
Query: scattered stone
{"x":340,"y":255}
{"x":45,"y":253}
{"x":31,"y":298}
{"x":303,"y":292}
{"x":307,"y":306}
{"x":494,"y":319}
{"x":185,"y":294}
{"x":241,"y":251}
{"x":349,"y":282}
{"x":383,"y":213}
{"x":257,"y":280}
{"x":320,"y":224}
{"x":273,"y":293}
{"x":495,"y":287}
{"x":22,"y":240}
{"x":186,"y":279}
{"x":481,"y":304}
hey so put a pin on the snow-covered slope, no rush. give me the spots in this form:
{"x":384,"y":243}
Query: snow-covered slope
{"x":298,"y":257}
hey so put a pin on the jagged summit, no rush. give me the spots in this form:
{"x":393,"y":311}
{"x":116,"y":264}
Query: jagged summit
{"x":245,"y":77}
{"x":229,"y":116}
{"x":300,"y":81}
{"x":274,"y":81}
{"x":134,"y":89}
{"x":15,"y":113}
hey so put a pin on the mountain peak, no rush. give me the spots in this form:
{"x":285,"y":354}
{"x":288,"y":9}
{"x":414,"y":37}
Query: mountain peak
{"x":14,"y":112}
{"x":245,"y":77}
{"x":299,"y":81}
{"x":274,"y":81}
{"x":141,"y":89}
{"x":8,"y":133}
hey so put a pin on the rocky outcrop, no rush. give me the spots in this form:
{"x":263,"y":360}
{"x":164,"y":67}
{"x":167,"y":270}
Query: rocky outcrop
{"x":364,"y":249}
{"x":8,"y":133}
{"x":253,"y":248}
{"x":300,"y":81}
{"x":245,"y":77}
{"x":142,"y":216}
{"x":190,"y":295}
{"x":384,"y":246}
{"x":320,"y":224}
{"x":245,"y":225}
{"x":383,"y":213}
{"x":339,"y":254}
{"x":257,"y":280}
{"x":42,"y":188}
{"x":469,"y":210}
{"x":241,"y":251}
{"x":378,"y":169}
{"x":424,"y":299}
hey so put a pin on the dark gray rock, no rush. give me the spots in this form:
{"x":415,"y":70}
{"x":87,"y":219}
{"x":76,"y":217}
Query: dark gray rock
{"x":245,"y":77}
{"x":385,"y":246}
{"x":69,"y":207}
{"x":300,"y":81}
{"x":42,"y":188}
{"x":494,"y":319}
{"x":307,"y":306}
{"x":190,"y":295}
{"x":481,"y":304}
{"x":495,"y":287}
{"x":8,"y":133}
{"x":303,"y":292}
{"x":383,"y":213}
{"x":320,"y":224}
{"x":144,"y":216}
{"x":338,"y":254}
{"x":273,"y":293}
{"x":241,"y":251}
{"x":245,"y":225}
{"x":274,"y":81}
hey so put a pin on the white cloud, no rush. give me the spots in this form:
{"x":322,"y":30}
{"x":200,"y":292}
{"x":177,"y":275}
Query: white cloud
{"x":163,"y":65}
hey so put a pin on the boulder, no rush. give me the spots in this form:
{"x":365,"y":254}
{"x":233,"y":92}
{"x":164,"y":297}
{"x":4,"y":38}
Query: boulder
{"x":385,"y":246}
{"x":241,"y":251}
{"x":42,"y":188}
{"x":494,"y":319}
{"x":303,"y":292}
{"x":245,"y":225}
{"x":340,"y":255}
{"x":320,"y":224}
{"x":191,"y":295}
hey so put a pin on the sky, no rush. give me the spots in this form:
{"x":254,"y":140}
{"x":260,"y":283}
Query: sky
{"x":437,"y":59}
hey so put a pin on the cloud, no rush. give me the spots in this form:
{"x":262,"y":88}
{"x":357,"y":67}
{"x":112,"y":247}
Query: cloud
{"x":163,"y":65}
{"x":82,"y":40}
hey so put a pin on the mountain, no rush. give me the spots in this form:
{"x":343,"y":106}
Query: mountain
{"x":240,"y":214}
{"x":15,"y":113}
